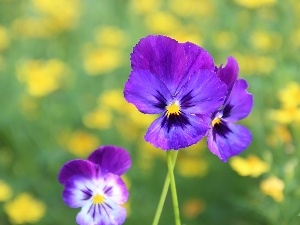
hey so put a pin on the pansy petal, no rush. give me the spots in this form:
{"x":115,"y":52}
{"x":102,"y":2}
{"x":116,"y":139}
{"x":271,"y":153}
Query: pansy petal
{"x":203,"y":94}
{"x":176,"y":132}
{"x":162,"y":56}
{"x":111,"y":159}
{"x":197,"y":58}
{"x":78,"y":191}
{"x":107,"y":213}
{"x":229,"y":73}
{"x":115,"y":188}
{"x":227,"y":140}
{"x":146,"y":92}
{"x":239,"y":103}
{"x":76,"y":167}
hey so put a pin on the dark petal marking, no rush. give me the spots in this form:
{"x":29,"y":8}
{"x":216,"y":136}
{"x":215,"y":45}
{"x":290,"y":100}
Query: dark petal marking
{"x":105,"y":203}
{"x":184,"y":102}
{"x":175,"y":120}
{"x":227,"y":111}
{"x":162,"y":100}
{"x":105,"y":210}
{"x":107,"y":189}
{"x":87,"y":192}
{"x":221,"y":129}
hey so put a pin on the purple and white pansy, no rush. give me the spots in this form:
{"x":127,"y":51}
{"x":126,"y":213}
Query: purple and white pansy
{"x":95,"y":185}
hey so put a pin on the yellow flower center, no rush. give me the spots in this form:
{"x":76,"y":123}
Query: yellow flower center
{"x":173,"y":109}
{"x":98,"y":199}
{"x":215,"y":121}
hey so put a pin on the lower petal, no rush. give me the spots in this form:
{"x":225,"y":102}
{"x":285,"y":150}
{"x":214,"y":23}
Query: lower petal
{"x":107,"y":213}
{"x":176,"y":132}
{"x":228,"y":140}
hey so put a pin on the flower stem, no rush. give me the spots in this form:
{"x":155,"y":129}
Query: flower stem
{"x":164,"y":193}
{"x":173,"y":188}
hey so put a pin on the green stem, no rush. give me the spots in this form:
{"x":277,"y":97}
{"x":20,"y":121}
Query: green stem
{"x":164,"y":193}
{"x":173,"y":188}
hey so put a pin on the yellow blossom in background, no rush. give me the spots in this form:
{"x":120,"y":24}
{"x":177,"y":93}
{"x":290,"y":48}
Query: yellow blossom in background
{"x":5,"y":191}
{"x":81,"y":143}
{"x":4,"y":38}
{"x":144,"y":6}
{"x":252,"y":4}
{"x":111,"y":37}
{"x":31,"y":27}
{"x":63,"y":14}
{"x":290,"y":105}
{"x":265,"y":41}
{"x":162,"y":23}
{"x":250,"y":166}
{"x":192,"y":8}
{"x":42,"y":77}
{"x":290,"y":95}
{"x":139,"y":119}
{"x":103,"y":60}
{"x":113,"y":99}
{"x":265,"y":65}
{"x":191,"y":167}
{"x":281,"y":134}
{"x":285,"y":115}
{"x":190,"y":162}
{"x":225,"y":39}
{"x":273,"y":186}
{"x":192,"y":208}
{"x":25,"y":209}
{"x":255,"y":65}
{"x":99,"y":119}
{"x":295,"y":37}
{"x":187,"y":34}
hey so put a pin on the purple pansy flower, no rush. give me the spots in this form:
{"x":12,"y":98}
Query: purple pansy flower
{"x":95,"y":186}
{"x":225,"y":138}
{"x":178,"y":82}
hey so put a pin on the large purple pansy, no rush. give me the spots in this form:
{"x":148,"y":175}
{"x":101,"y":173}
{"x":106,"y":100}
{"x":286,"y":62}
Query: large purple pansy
{"x":178,"y":82}
{"x":225,"y":138}
{"x":95,"y":185}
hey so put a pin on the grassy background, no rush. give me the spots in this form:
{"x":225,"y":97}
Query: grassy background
{"x":63,"y":64}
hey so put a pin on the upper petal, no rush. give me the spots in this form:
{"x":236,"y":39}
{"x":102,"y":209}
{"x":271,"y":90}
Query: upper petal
{"x":227,"y":140}
{"x":162,"y":56}
{"x":146,"y":91}
{"x":111,"y":159}
{"x":77,"y":167}
{"x":239,"y":103}
{"x":229,"y":73}
{"x":197,"y":58}
{"x":202,"y":94}
{"x":176,"y":132}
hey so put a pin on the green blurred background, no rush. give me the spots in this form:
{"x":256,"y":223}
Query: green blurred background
{"x":63,"y":64}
